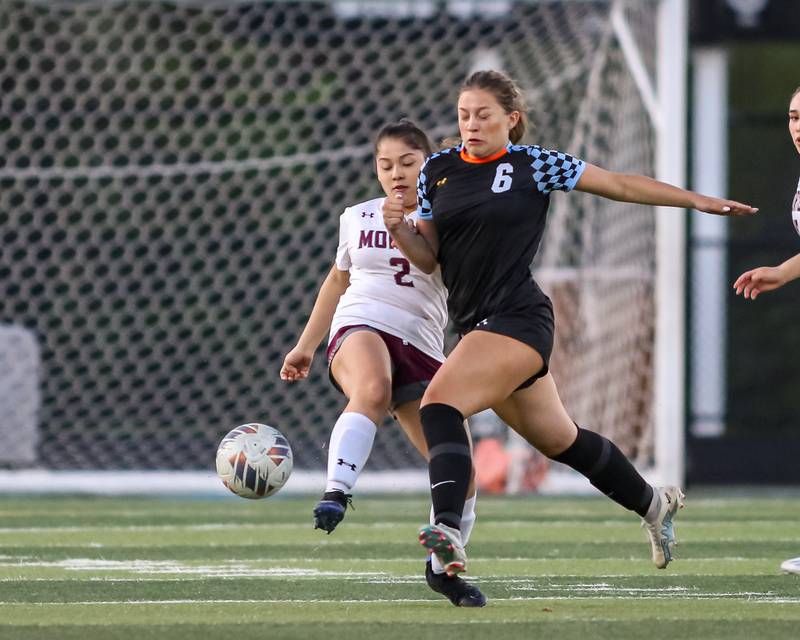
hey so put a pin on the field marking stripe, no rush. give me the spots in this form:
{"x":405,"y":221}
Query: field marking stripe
{"x":220,"y":526}
{"x":766,"y":600}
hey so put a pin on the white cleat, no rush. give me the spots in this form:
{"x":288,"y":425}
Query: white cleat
{"x":791,"y":566}
{"x":660,"y":530}
{"x":445,"y":542}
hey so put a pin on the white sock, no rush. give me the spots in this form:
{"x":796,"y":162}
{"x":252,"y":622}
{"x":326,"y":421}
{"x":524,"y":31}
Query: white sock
{"x":351,"y":443}
{"x":655,"y":506}
{"x":467,"y":522}
{"x":468,"y":519}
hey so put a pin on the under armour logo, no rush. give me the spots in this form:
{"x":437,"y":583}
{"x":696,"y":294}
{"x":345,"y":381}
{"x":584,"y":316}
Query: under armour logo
{"x":364,"y":214}
{"x":346,"y":464}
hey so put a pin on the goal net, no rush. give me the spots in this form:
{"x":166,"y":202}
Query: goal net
{"x":172,"y":174}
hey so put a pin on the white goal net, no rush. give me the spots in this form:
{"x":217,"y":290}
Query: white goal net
{"x":171,"y":175}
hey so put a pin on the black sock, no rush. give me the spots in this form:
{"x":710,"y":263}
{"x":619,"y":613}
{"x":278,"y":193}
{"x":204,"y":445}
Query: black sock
{"x":608,"y":469}
{"x":450,"y":464}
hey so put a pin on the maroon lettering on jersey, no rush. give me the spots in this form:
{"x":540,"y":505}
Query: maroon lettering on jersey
{"x":373,"y":238}
{"x":365,"y":239}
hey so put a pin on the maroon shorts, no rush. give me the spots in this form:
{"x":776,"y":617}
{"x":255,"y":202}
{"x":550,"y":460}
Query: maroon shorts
{"x":412,"y":369}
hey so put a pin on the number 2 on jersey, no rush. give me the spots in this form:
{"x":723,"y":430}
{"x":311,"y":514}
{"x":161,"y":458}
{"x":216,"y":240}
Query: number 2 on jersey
{"x":405,"y":269}
{"x":502,"y":179}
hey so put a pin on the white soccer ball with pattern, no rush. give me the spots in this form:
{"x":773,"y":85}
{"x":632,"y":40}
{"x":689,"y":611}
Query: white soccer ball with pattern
{"x":254,"y":460}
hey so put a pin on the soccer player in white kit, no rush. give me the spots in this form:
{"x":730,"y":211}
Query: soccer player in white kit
{"x":386,"y":321}
{"x":753,"y":282}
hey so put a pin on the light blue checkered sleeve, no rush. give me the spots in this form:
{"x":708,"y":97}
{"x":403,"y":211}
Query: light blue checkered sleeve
{"x":554,"y":170}
{"x":422,"y":195}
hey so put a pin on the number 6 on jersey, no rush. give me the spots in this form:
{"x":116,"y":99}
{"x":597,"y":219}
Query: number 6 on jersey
{"x":502,"y":179}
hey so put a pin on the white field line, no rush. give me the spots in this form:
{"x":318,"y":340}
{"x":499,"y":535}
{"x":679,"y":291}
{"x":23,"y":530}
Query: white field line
{"x":413,"y":579}
{"x":17,"y":561}
{"x":540,"y":584}
{"x":722,"y":596}
{"x":158,"y":576}
{"x":23,"y":561}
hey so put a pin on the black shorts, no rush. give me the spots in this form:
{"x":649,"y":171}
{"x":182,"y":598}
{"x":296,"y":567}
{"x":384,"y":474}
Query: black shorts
{"x":532,"y":323}
{"x":412,"y":370}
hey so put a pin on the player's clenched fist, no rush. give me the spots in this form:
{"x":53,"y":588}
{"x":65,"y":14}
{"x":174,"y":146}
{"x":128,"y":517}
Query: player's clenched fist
{"x":393,"y":213}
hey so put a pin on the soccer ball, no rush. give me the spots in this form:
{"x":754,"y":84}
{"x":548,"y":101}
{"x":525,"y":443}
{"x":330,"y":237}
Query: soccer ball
{"x":254,"y":460}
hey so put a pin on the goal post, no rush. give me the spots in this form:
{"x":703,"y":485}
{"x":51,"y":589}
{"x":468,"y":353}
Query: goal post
{"x":670,"y":343}
{"x":172,"y":174}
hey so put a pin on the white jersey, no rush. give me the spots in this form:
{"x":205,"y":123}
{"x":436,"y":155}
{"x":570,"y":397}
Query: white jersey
{"x":796,"y":208}
{"x":386,"y":291}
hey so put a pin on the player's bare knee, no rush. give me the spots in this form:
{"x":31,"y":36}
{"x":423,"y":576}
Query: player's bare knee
{"x":553,"y":449}
{"x":556,"y":444}
{"x":375,"y":393}
{"x":437,"y":394}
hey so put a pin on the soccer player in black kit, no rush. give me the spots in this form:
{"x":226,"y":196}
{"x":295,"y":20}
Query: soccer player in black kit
{"x":482,"y":214}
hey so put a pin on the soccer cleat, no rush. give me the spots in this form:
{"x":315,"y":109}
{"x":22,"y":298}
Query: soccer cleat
{"x":460,"y":592}
{"x":445,"y":542}
{"x":661,"y":530}
{"x":330,"y":510}
{"x":789,"y":566}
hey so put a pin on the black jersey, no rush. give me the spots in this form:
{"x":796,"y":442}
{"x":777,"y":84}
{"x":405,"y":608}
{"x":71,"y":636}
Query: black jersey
{"x":490,"y":216}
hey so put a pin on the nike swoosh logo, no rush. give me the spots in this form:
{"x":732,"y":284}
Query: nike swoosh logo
{"x":433,"y":486}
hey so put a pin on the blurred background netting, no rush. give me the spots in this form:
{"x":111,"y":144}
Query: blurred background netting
{"x":171,"y":176}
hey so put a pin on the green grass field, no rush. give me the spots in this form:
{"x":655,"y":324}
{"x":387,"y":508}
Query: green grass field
{"x":84,"y":568}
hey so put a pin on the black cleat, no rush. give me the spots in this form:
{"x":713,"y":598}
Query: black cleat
{"x":330,"y":510}
{"x":460,"y":592}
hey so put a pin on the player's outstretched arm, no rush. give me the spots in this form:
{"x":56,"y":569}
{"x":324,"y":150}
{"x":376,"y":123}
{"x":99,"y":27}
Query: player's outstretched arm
{"x":417,"y":242}
{"x":297,"y":362}
{"x":751,"y":283}
{"x":643,"y":190}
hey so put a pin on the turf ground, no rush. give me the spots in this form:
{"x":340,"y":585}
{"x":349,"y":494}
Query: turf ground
{"x":90,"y":568}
